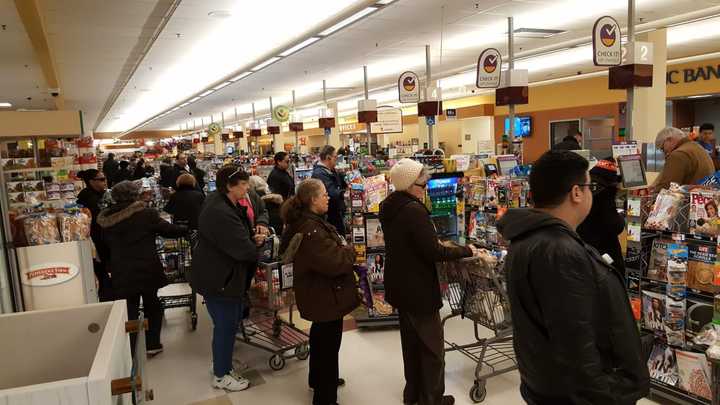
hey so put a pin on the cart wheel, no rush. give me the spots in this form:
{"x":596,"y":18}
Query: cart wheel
{"x":277,"y":362}
{"x":478,"y":392}
{"x":302,"y":352}
{"x":193,"y":321}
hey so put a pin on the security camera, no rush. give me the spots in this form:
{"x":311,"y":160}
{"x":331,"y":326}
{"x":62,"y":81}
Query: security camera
{"x":54,"y":92}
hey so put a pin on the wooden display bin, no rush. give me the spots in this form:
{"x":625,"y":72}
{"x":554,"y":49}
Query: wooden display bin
{"x":65,"y":356}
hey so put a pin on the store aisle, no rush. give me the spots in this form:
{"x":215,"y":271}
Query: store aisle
{"x":371,"y":362}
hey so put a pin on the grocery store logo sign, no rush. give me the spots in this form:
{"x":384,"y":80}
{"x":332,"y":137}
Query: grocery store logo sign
{"x":489,"y":69}
{"x":606,"y":42}
{"x":692,"y":75}
{"x":47,"y":274}
{"x":409,"y":87}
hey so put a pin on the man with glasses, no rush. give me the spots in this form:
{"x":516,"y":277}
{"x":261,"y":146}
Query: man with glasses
{"x":335,"y":185}
{"x":686,"y":162}
{"x":573,"y":330}
{"x":411,"y":282}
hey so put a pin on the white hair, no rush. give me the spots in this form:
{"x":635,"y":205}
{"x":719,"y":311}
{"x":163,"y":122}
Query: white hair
{"x":666,"y":133}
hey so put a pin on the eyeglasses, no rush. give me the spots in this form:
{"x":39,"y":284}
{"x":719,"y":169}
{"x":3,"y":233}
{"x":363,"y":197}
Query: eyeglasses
{"x":421,"y":185}
{"x":594,"y":187}
{"x":100,"y":179}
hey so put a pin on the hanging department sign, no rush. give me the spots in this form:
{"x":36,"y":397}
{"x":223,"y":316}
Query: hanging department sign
{"x":389,"y":121}
{"x":47,"y":274}
{"x":606,"y":42}
{"x":409,"y":88}
{"x":489,"y":68}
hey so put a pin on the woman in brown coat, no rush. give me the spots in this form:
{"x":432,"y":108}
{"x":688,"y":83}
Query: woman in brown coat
{"x":324,"y":282}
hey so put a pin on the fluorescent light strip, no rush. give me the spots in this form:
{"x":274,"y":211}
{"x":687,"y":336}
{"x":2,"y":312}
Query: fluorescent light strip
{"x":266,"y":63}
{"x":385,"y":2}
{"x":194,"y":99}
{"x":205,"y":93}
{"x":349,"y":20}
{"x":240,"y":76}
{"x":5,"y":105}
{"x":184,"y":104}
{"x":221,"y":85}
{"x":300,"y":46}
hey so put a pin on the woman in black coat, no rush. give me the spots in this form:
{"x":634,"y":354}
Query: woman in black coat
{"x":91,"y":197}
{"x":226,"y":251}
{"x":130,"y":228}
{"x":185,"y":204}
{"x":603,"y":225}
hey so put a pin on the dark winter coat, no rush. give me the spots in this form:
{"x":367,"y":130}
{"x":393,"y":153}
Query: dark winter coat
{"x":324,"y":281}
{"x":185,"y":205}
{"x":412,"y":248}
{"x":177,"y":170}
{"x":110,"y":168}
{"x":568,"y":143}
{"x":602,"y":227}
{"x":92,"y":200}
{"x":573,"y":329}
{"x":281,"y":182}
{"x":166,"y":176}
{"x":224,"y":252}
{"x":335,"y":186}
{"x":122,"y":175}
{"x":130,"y":230}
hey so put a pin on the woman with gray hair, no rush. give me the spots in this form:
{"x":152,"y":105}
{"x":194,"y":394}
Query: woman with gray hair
{"x":686,"y":162}
{"x":129,"y":228}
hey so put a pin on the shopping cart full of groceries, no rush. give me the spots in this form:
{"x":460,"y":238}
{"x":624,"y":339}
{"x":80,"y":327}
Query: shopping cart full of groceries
{"x":176,"y":257}
{"x":475,"y":290}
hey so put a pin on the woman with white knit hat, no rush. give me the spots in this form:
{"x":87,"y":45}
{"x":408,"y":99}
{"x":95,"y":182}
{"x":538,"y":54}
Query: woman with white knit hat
{"x":412,"y":285}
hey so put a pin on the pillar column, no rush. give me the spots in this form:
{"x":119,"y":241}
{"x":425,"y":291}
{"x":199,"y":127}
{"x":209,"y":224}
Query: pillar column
{"x":650,"y":110}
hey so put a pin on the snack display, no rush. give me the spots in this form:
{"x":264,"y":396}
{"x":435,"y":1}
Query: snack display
{"x":41,"y":229}
{"x":74,"y":226}
{"x":666,"y":208}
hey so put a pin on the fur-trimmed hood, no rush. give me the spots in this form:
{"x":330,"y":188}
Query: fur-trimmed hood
{"x":119,"y":213}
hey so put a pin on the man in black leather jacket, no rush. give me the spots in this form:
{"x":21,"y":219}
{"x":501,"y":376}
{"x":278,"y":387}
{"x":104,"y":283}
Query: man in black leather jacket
{"x":574,"y":334}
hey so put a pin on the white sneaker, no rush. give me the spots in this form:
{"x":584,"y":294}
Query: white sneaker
{"x":238,"y":368}
{"x":231,"y":383}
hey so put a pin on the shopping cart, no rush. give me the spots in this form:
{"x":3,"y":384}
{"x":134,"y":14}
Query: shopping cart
{"x":271,"y":293}
{"x":176,"y":257}
{"x":474,"y":289}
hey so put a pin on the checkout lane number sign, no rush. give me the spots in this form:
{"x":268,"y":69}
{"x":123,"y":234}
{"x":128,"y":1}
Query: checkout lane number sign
{"x":47,"y":274}
{"x":489,"y":68}
{"x":606,"y":42}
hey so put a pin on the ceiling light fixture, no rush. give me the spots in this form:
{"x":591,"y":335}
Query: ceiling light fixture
{"x":207,"y":92}
{"x":300,"y":46}
{"x":344,"y":23}
{"x":185,"y":104}
{"x":240,"y":76}
{"x":5,"y":105}
{"x":701,"y":96}
{"x":221,"y":85}
{"x":194,"y":99}
{"x":220,"y":14}
{"x":385,"y":2}
{"x":266,"y":63}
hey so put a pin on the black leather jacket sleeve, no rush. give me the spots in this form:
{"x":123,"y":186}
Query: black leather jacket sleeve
{"x":569,"y":321}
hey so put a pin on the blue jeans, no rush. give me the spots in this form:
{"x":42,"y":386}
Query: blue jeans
{"x":226,"y":315}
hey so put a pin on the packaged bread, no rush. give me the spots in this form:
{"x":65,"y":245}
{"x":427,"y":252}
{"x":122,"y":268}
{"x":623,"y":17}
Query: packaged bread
{"x":74,"y":226}
{"x":41,"y":229}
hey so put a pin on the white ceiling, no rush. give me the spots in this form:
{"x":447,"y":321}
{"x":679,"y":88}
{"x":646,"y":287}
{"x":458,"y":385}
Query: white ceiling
{"x":95,"y":42}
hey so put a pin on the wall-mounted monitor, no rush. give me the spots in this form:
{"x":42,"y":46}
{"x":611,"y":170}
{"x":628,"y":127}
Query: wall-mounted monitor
{"x":523,"y":126}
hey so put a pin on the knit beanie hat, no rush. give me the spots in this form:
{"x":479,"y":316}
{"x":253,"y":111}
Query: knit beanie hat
{"x":605,"y":172}
{"x":126,"y":191}
{"x":404,"y":173}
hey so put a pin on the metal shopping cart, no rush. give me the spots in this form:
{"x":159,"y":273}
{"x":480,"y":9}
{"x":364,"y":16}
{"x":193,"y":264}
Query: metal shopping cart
{"x":270,"y":294}
{"x":475,"y":290}
{"x":176,"y":257}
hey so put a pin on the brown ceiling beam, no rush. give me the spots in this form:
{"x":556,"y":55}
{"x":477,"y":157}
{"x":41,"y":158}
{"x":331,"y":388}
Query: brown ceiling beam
{"x":29,"y":11}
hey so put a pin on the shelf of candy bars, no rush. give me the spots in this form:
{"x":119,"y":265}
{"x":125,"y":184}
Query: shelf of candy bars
{"x":487,"y":199}
{"x":673,"y":281}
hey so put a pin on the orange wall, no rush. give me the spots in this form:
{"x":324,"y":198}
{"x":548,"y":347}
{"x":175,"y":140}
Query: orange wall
{"x":539,"y":141}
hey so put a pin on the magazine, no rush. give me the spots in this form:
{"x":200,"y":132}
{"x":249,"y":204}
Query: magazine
{"x":654,"y":310}
{"x":667,"y":205}
{"x":677,"y":270}
{"x":376,"y":268}
{"x":694,"y":373}
{"x":701,"y":266}
{"x":703,"y":215}
{"x":657,"y":267}
{"x":375,"y":192}
{"x":663,"y":365}
{"x":375,"y":236}
{"x":675,"y":321}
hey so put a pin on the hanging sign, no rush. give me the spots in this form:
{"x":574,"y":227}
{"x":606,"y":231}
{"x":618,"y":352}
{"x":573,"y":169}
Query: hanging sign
{"x":489,"y":67}
{"x":606,"y":42}
{"x":409,"y":88}
{"x":214,"y":129}
{"x":281,"y":113}
{"x":389,"y":121}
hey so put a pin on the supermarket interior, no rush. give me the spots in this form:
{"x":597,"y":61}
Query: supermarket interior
{"x":433,"y":202}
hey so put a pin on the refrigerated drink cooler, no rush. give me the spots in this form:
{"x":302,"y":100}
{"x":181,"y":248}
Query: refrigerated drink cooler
{"x":447,"y":205}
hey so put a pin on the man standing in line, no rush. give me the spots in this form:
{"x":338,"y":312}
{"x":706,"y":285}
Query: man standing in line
{"x":411,"y":282}
{"x":335,"y":185}
{"x":573,"y":329}
{"x":686,"y":162}
{"x":570,"y":142}
{"x":707,"y":140}
{"x":281,"y":182}
{"x":110,"y":168}
{"x":181,"y":166}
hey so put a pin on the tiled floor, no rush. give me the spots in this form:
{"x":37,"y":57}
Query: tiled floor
{"x":371,"y":362}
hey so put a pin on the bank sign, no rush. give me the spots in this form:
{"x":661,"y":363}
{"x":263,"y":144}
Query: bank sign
{"x":606,"y":42}
{"x":691,"y":75}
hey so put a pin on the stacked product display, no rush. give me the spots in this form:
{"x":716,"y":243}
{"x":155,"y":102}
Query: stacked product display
{"x":672,"y":275}
{"x":487,"y":200}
